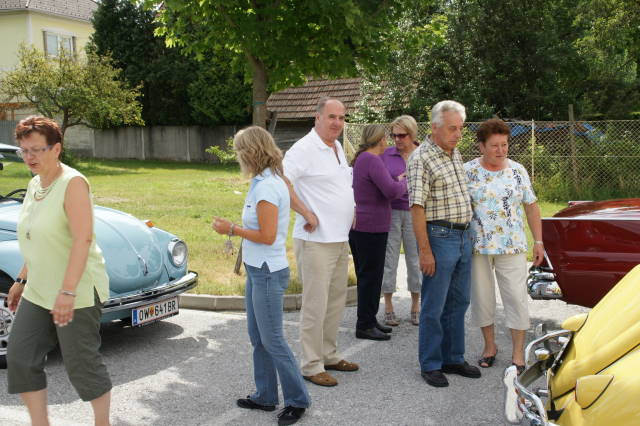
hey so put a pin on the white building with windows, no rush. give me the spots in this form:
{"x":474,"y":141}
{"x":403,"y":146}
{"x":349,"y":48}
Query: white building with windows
{"x":50,"y":26}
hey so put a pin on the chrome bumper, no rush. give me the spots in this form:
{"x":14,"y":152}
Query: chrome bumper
{"x":172,"y":288}
{"x":542,"y":284}
{"x":520,"y":402}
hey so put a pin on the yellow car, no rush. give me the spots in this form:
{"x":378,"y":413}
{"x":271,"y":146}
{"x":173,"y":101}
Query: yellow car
{"x":591,"y":367}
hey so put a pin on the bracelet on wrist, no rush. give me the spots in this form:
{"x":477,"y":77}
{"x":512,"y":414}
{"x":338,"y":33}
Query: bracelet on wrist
{"x":22,"y":281}
{"x":68,"y":293}
{"x":231,"y":228}
{"x":538,"y":242}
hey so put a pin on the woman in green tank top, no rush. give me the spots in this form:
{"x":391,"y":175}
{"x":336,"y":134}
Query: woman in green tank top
{"x":59,"y":291}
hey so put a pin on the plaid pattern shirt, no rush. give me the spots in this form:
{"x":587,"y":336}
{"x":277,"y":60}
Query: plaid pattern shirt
{"x":438,"y":182}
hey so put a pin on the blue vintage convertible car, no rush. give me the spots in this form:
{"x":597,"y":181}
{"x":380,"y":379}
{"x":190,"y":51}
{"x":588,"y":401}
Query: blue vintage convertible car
{"x":147,"y":266}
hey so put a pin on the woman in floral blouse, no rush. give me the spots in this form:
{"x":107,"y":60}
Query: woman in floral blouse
{"x":501,"y":194}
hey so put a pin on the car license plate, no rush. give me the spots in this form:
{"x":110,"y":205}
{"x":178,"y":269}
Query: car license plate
{"x":154,"y":311}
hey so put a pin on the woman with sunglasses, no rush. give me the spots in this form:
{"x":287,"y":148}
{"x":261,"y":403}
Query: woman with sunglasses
{"x":404,"y":132}
{"x":63,"y":282}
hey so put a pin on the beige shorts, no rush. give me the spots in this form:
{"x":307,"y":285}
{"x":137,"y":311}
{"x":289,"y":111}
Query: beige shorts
{"x":510,"y":273}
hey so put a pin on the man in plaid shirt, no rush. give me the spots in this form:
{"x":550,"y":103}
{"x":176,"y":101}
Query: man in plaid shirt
{"x":441,"y":212}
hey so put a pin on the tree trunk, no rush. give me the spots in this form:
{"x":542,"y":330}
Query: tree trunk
{"x":259,"y":89}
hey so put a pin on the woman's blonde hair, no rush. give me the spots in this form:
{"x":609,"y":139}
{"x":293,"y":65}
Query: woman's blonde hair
{"x":371,"y":135}
{"x":408,"y":123}
{"x":256,"y":150}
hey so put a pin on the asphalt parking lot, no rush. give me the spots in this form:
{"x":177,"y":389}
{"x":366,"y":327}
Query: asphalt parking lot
{"x":189,"y":370}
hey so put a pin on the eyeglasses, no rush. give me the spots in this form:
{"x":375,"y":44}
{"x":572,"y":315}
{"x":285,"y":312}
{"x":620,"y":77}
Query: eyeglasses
{"x":398,"y":135}
{"x":36,"y":152}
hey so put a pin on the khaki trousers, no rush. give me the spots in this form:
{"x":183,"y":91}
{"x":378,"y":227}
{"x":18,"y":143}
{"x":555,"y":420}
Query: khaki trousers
{"x":510,"y":273}
{"x":323,"y":269}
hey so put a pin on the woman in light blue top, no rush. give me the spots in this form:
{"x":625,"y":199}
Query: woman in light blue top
{"x":265,"y":221}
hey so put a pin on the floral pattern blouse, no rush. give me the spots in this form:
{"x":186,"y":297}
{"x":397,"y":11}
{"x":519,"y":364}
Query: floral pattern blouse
{"x":498,"y":215}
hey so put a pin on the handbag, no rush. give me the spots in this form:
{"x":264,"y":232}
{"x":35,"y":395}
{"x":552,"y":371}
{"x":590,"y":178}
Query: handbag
{"x":238,"y":264}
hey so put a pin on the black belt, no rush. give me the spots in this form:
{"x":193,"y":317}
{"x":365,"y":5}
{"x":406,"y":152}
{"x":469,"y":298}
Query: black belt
{"x":450,"y":225}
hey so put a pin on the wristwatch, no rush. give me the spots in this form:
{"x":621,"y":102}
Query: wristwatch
{"x":21,"y":281}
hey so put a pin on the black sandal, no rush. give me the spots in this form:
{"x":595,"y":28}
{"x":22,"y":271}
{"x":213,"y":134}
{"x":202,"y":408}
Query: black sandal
{"x":487,"y":361}
{"x":519,"y":368}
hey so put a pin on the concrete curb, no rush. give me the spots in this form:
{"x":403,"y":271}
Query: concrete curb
{"x":208,"y":302}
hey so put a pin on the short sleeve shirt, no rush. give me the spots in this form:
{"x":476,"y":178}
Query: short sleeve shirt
{"x":438,"y":183}
{"x":323,"y":182}
{"x":269,"y":187}
{"x":498,"y":215}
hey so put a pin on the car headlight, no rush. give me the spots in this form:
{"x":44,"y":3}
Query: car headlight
{"x":178,"y":252}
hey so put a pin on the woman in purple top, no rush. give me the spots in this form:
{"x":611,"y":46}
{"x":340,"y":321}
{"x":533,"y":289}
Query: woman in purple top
{"x":404,"y":131}
{"x":373,"y":188}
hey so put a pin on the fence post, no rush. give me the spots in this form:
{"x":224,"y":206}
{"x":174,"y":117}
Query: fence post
{"x":188,"y":144}
{"x":572,"y":140}
{"x":142,"y":142}
{"x":533,"y":151}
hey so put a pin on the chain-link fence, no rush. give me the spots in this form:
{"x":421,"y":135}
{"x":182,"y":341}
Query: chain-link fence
{"x":566,"y":160}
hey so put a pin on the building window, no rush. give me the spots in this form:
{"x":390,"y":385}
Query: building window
{"x":55,"y":43}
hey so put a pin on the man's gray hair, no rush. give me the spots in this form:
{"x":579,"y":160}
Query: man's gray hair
{"x":444,"y":106}
{"x":323,"y":101}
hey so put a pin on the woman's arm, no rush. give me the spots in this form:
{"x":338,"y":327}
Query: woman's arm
{"x":535,"y":224}
{"x":381,"y":177}
{"x":15,"y":292}
{"x":267,"y":223}
{"x":77,"y":206}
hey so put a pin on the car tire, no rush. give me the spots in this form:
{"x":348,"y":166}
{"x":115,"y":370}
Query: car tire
{"x":6,"y":318}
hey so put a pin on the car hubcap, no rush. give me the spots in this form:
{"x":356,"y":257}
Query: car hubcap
{"x":6,"y":321}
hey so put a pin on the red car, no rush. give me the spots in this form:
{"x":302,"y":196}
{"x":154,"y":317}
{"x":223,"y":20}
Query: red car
{"x":589,"y":247}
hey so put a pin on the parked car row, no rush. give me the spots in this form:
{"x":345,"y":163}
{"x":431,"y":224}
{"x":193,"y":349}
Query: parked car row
{"x":147,"y":266}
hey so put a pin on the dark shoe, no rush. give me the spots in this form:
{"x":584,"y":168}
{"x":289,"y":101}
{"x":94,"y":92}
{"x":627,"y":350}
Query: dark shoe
{"x":463,"y":369}
{"x":435,"y":378}
{"x":290,"y":415}
{"x":248,"y":403}
{"x":487,"y":361}
{"x":383,"y":328}
{"x":519,"y":368}
{"x":342,"y":365}
{"x":372,"y":334}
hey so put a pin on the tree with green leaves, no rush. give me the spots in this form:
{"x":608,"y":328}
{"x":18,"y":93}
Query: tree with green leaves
{"x":75,"y":89}
{"x":499,"y":57}
{"x":280,"y":42}
{"x":610,"y":44}
{"x":177,"y":89}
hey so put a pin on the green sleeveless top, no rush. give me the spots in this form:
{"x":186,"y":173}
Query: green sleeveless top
{"x":45,"y":243}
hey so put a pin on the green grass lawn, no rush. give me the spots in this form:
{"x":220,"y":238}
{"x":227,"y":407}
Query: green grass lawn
{"x":182,"y":198}
{"x":177,"y":197}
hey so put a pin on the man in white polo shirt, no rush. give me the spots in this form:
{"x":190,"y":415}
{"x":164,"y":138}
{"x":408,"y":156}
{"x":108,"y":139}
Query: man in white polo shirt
{"x":321,"y":177}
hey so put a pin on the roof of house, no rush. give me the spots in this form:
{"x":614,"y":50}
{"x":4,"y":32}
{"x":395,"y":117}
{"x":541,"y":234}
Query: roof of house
{"x":77,"y":9}
{"x":297,"y":103}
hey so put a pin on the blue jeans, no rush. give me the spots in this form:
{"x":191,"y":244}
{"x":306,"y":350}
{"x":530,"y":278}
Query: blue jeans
{"x":271,"y":353}
{"x":445,"y":299}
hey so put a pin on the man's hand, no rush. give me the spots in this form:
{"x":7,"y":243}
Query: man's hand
{"x":15,"y":293}
{"x":312,"y":221}
{"x":538,"y":254}
{"x":427,"y":263}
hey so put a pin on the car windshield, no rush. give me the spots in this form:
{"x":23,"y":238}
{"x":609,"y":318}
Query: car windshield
{"x":14,"y":174}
